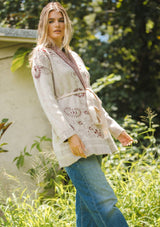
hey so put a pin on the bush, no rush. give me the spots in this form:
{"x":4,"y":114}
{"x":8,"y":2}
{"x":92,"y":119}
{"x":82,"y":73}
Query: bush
{"x":45,"y":170}
{"x":3,"y":127}
{"x":134,"y":174}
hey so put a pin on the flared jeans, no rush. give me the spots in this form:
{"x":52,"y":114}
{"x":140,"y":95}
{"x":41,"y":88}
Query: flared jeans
{"x":95,"y":199}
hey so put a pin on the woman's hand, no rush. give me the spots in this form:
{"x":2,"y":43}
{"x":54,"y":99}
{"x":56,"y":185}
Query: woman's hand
{"x":76,"y":145}
{"x":125,"y":139}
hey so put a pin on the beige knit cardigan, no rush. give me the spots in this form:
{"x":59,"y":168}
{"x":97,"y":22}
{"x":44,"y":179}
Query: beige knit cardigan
{"x":61,"y":84}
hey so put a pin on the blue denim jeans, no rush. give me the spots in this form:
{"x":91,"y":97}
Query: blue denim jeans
{"x":95,"y":199}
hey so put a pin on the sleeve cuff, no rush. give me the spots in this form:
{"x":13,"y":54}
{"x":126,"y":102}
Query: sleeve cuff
{"x":117,"y":133}
{"x":66,"y":135}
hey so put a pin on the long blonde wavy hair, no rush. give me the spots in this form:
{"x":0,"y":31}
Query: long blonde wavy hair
{"x":43,"y":39}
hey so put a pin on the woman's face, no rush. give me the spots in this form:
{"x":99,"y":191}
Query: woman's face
{"x":56,"y":27}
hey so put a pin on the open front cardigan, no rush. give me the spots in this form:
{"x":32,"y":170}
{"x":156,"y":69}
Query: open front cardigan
{"x":59,"y":83}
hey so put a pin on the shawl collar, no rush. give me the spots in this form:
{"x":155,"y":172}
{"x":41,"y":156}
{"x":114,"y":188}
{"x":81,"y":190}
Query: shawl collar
{"x":71,"y":62}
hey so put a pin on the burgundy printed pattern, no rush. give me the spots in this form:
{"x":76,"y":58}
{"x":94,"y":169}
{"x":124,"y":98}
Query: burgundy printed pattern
{"x":37,"y":71}
{"x":76,"y":115}
{"x":86,"y":112}
{"x":80,"y":122}
{"x":72,"y":112}
{"x":96,"y":131}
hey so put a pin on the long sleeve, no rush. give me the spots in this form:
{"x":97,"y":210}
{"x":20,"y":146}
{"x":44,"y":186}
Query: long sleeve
{"x":43,"y":80}
{"x":114,"y":128}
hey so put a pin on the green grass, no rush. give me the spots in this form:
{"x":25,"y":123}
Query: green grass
{"x":25,"y":211}
{"x":137,"y":188}
{"x":134,"y":174}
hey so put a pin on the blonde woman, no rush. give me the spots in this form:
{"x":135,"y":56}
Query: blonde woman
{"x":81,"y":128}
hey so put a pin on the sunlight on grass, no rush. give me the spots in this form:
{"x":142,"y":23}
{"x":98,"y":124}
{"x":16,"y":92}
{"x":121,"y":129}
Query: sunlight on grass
{"x":137,"y":189}
{"x":134,"y":174}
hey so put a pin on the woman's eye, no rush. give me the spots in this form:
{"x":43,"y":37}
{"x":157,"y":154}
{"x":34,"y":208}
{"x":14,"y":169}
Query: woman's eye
{"x":61,"y":20}
{"x":53,"y":21}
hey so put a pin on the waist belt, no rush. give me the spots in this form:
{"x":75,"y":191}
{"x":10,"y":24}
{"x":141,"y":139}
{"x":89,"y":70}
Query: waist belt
{"x":93,"y":102}
{"x":94,"y":105}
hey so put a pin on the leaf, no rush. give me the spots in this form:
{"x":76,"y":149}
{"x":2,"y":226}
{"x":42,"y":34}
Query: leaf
{"x":4,"y":120}
{"x":20,"y":161}
{"x":149,"y":26}
{"x":32,"y":172}
{"x":3,"y":144}
{"x":19,"y":58}
{"x":89,"y":19}
{"x":1,"y":125}
{"x":3,"y":128}
{"x":105,"y":81}
{"x":33,"y":145}
{"x":2,"y":150}
{"x":39,"y":147}
{"x":27,"y":154}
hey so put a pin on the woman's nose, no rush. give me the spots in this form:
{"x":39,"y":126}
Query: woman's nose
{"x":57,"y":23}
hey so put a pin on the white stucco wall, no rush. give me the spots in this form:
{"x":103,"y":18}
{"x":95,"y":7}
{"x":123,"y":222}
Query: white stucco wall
{"x":19,"y":103}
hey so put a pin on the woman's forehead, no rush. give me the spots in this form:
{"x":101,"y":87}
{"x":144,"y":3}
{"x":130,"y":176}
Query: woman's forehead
{"x":55,"y":14}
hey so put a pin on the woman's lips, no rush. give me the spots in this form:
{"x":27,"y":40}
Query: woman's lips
{"x":57,"y":31}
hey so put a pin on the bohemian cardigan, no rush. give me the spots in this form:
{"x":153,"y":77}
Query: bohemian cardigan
{"x":63,"y":87}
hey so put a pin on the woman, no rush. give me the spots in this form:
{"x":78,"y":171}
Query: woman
{"x":81,"y":128}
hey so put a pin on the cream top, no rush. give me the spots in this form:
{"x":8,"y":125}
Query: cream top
{"x":63,"y":87}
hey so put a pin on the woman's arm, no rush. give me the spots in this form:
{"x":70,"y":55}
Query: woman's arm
{"x":42,"y":76}
{"x":117,"y":131}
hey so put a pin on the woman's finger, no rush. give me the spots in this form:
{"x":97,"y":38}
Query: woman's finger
{"x":82,"y":154}
{"x":78,"y":151}
{"x":75,"y":152}
{"x":83,"y":149}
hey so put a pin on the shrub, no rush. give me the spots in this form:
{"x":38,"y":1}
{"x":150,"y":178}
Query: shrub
{"x":3,"y":127}
{"x":134,"y":174}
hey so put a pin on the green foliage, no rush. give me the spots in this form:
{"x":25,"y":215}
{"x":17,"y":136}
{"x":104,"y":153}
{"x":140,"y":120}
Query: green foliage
{"x":144,"y":133}
{"x":3,"y":127}
{"x":137,"y":188}
{"x":20,"y":159}
{"x":138,"y":198}
{"x":134,"y":174}
{"x":19,"y":58}
{"x":105,"y":81}
{"x":20,"y":14}
{"x":133,"y":49}
{"x":26,"y":211}
{"x":45,"y":170}
{"x":113,"y":37}
{"x":37,"y":143}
